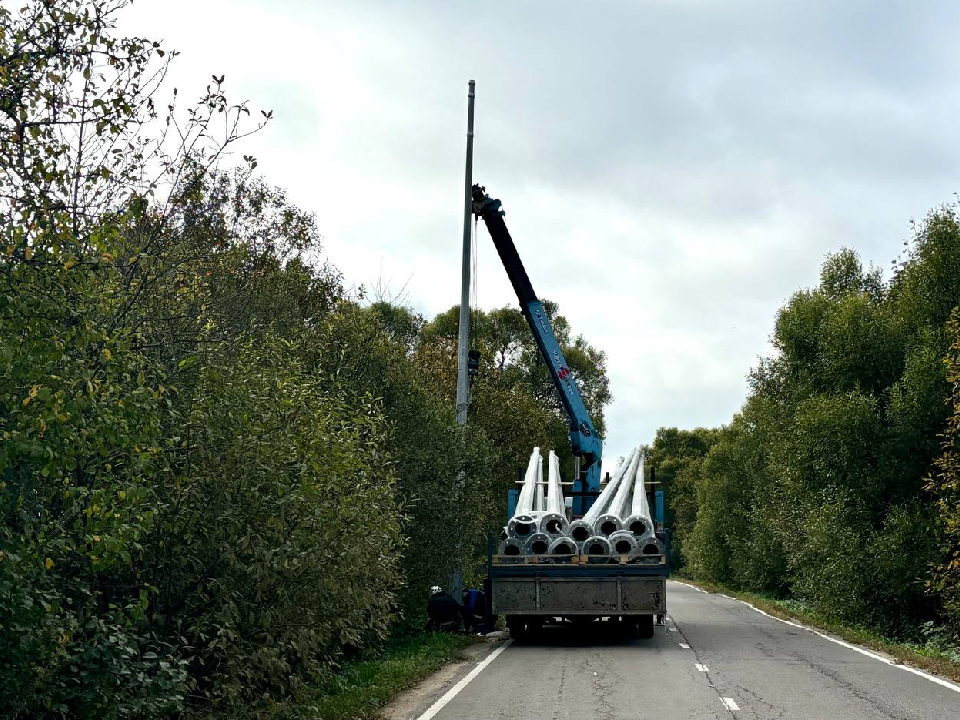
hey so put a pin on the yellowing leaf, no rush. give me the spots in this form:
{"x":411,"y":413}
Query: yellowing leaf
{"x":106,"y":353}
{"x":69,"y":263}
{"x":122,"y":494}
{"x":28,"y":252}
{"x":49,"y":563}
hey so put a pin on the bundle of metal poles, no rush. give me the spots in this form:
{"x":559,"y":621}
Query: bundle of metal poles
{"x":618,"y":523}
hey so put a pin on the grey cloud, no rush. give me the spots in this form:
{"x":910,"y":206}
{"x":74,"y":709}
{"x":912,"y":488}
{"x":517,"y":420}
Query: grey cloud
{"x":672,"y":170}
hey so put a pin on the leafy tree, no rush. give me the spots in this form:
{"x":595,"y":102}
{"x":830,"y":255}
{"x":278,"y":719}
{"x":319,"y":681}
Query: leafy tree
{"x":513,"y":408}
{"x":945,"y":486}
{"x":176,"y":482}
{"x":815,"y":489}
{"x":510,"y":358}
{"x":675,"y":455}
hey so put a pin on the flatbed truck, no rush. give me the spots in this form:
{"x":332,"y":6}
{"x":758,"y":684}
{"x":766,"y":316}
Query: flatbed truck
{"x":530,"y":590}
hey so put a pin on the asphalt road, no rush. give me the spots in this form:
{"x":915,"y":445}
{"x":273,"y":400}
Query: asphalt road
{"x":739,"y":663}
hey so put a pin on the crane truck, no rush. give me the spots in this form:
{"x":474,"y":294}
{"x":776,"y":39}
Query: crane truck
{"x":532,"y":590}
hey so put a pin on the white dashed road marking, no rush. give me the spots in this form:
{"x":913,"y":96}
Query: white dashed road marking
{"x":702,"y":668}
{"x":731,"y":705}
{"x":684,"y":646}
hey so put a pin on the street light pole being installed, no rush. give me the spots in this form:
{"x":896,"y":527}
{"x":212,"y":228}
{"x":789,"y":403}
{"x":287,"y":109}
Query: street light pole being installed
{"x":463,"y":346}
{"x":463,"y":343}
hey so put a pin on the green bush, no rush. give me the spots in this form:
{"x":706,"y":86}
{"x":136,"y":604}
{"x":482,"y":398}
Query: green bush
{"x":221,"y":475}
{"x":945,"y":486}
{"x":816,"y":488}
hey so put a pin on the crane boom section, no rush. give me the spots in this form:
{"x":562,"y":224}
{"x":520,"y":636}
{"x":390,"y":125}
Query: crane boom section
{"x":583,"y":435}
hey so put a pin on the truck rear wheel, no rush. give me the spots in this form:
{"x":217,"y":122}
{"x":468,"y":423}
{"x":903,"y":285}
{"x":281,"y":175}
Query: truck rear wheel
{"x":534,"y":627}
{"x":644,"y":626}
{"x":517,"y":626}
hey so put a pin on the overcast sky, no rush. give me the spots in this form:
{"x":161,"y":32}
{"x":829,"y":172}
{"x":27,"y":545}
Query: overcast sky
{"x":672,"y":170}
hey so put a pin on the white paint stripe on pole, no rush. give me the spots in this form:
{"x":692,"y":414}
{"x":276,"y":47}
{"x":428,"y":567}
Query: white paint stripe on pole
{"x":849,"y":646}
{"x":684,"y":646}
{"x":452,"y":692}
{"x":731,"y":705}
{"x":702,"y":668}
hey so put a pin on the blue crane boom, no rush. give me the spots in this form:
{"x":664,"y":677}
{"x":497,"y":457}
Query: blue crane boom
{"x":585,"y":442}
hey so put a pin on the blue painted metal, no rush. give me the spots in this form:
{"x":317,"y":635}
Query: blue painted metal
{"x":658,"y":511}
{"x":583,"y":435}
{"x":512,"y":496}
{"x":666,"y":548}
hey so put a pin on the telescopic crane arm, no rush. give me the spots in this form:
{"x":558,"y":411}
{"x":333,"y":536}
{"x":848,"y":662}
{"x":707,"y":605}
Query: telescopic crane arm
{"x":584,"y":440}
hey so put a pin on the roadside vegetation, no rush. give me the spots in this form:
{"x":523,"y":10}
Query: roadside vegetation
{"x":226,"y":477}
{"x":837,"y":485}
{"x":362,"y":687}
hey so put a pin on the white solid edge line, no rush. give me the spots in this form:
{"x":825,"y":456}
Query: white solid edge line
{"x":452,"y":692}
{"x":843,"y":643}
{"x":692,"y":587}
{"x":702,"y":668}
{"x":731,"y":705}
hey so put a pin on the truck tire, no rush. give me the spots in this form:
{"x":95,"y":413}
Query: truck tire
{"x":517,"y":627}
{"x":644,"y":627}
{"x":534,"y":627}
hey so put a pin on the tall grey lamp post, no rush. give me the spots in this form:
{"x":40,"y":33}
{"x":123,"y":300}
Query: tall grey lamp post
{"x":463,"y":343}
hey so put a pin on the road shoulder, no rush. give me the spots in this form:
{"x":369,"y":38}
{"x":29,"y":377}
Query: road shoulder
{"x":413,"y":702}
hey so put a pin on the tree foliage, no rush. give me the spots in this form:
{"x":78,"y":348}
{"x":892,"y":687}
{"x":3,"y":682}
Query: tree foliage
{"x":945,"y":485}
{"x":816,"y":488}
{"x":220,"y":473}
{"x":676,"y":455}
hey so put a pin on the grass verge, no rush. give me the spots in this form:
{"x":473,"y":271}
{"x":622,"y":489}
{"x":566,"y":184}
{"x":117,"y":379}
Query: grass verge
{"x":364,"y":686}
{"x":918,"y":656}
